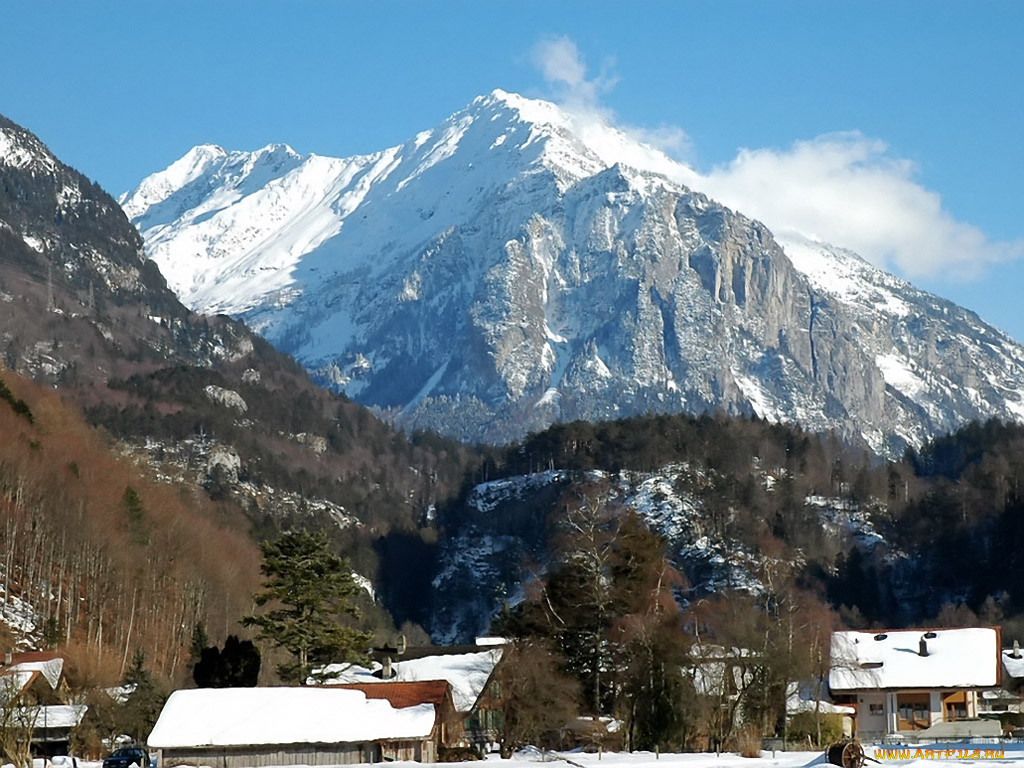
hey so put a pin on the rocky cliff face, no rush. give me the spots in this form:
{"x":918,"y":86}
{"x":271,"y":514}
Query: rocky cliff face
{"x":508,"y":269}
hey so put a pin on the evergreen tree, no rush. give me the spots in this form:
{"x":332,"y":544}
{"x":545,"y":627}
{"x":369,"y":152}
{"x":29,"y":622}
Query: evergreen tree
{"x":200,"y":640}
{"x":142,"y":707}
{"x":311,"y":589}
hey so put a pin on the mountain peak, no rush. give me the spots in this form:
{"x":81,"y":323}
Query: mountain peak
{"x":536,"y":111}
{"x":20,"y":148}
{"x":521,"y":263}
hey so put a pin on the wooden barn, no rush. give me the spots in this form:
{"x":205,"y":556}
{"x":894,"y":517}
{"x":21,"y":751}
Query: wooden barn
{"x":254,"y":727}
{"x":447,"y":731}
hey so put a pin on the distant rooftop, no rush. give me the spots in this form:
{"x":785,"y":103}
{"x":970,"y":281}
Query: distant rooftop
{"x":467,"y":668}
{"x":1014,"y":666}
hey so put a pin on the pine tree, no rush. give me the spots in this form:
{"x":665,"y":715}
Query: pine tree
{"x":200,"y":640}
{"x":311,"y":589}
{"x":142,"y":707}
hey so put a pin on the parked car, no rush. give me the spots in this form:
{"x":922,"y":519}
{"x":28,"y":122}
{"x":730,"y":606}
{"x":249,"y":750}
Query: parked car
{"x":125,"y":757}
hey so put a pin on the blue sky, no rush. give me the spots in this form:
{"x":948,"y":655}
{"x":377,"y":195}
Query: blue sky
{"x":910,"y":112}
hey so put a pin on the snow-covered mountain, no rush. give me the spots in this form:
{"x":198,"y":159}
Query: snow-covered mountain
{"x":516,"y":266}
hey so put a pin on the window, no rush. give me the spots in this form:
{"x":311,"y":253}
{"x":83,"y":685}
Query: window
{"x":954,"y":705}
{"x":956,"y":711}
{"x":876,"y":710}
{"x":913,"y":711}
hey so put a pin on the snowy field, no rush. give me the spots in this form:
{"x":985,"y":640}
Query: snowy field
{"x":1013,"y":754}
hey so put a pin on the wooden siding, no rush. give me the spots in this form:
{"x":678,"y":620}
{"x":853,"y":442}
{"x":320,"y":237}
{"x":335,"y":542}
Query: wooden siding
{"x":267,"y":755}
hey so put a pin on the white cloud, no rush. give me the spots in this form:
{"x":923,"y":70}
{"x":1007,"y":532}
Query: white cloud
{"x":562,"y":65}
{"x":670,"y":139}
{"x":844,"y":188}
{"x":560,"y":62}
{"x":847,"y":189}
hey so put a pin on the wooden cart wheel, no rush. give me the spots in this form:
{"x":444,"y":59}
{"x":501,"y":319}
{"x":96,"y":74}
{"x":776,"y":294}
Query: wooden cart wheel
{"x":853,"y":755}
{"x":846,"y":754}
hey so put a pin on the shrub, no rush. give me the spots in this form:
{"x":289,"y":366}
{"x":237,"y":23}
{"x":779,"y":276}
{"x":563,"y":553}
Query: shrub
{"x":748,"y":741}
{"x":803,"y":729}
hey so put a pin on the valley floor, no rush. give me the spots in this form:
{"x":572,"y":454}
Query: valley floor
{"x":1012,"y":755}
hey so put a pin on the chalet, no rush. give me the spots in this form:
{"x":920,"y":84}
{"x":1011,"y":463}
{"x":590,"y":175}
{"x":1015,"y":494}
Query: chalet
{"x":469,"y":669}
{"x":920,"y":683}
{"x":34,"y":696}
{"x":255,"y":727}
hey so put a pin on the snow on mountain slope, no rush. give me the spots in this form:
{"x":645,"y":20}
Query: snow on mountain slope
{"x":931,"y":353}
{"x":516,"y":265}
{"x":496,"y":545}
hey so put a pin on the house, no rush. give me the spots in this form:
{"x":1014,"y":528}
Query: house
{"x":1012,"y":660}
{"x":254,"y":727}
{"x":34,"y":697}
{"x":469,"y":669}
{"x":923,"y":683}
{"x":722,"y":673}
{"x":1010,"y":696}
{"x":448,"y":727}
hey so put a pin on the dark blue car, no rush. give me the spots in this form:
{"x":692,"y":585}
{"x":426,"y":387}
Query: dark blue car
{"x":125,"y":757}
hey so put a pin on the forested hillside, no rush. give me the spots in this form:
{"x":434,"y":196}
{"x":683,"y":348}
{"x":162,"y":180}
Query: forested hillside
{"x":204,"y":401}
{"x":933,"y":537}
{"x":98,"y":557}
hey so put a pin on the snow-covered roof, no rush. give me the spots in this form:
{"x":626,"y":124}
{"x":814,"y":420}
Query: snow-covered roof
{"x":957,"y":658}
{"x":467,"y":672}
{"x":800,"y":698}
{"x":16,"y":677}
{"x":57,"y":715}
{"x":120,"y":693}
{"x":220,"y":717}
{"x":489,"y":641}
{"x":48,"y":665}
{"x":1014,"y":667}
{"x":12,"y":683}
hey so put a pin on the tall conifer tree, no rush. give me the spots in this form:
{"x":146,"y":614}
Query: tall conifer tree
{"x":309,"y":589}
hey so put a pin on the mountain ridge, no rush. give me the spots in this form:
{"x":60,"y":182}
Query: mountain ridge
{"x":201,"y":399}
{"x":454,"y":282}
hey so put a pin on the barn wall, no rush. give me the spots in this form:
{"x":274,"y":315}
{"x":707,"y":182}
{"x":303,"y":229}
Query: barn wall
{"x":420,"y":750}
{"x":282,"y":754}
